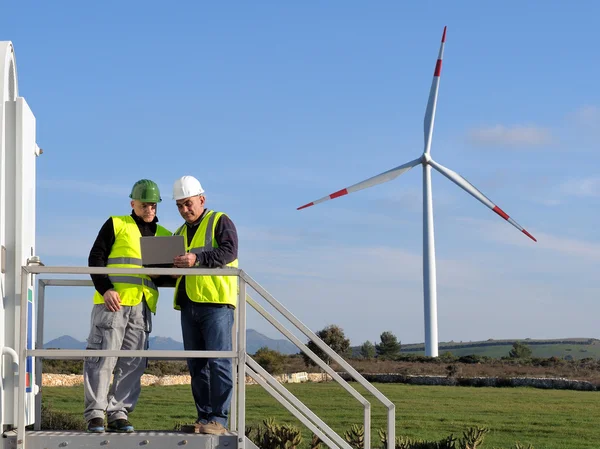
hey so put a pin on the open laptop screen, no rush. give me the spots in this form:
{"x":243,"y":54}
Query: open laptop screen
{"x":160,"y":251}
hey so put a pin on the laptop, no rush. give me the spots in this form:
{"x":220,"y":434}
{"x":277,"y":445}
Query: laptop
{"x":159,"y":252}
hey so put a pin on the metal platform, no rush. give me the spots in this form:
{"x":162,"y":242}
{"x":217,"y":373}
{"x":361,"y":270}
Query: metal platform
{"x":45,"y":439}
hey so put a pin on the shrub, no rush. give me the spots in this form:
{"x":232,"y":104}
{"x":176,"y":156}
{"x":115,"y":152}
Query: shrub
{"x":453,"y":370}
{"x":272,"y":361}
{"x":275,"y":436}
{"x":472,"y":358}
{"x":519,"y":351}
{"x":166,"y":368}
{"x":355,"y":436}
{"x":62,"y":366}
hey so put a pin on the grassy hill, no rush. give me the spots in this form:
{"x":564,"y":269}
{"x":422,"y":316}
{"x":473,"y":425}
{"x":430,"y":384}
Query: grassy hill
{"x":577,"y":348}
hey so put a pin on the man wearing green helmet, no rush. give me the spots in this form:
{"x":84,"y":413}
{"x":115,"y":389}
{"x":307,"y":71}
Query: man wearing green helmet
{"x":122,"y":312}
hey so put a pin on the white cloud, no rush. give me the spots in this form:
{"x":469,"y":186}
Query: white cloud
{"x":512,"y":136}
{"x":587,"y":116}
{"x":582,"y":187}
{"x":574,"y":247}
{"x":500,"y":231}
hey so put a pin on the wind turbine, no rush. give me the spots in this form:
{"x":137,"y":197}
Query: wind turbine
{"x":429,"y":270}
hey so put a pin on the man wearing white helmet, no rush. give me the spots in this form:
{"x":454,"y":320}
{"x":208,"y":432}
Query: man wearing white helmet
{"x":206,"y":302}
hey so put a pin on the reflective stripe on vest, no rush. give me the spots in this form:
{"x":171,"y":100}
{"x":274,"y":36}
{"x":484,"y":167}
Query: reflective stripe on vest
{"x":124,"y":260}
{"x":132,"y":280}
{"x":207,"y":237}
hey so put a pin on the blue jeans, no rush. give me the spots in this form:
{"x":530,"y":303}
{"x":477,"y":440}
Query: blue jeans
{"x":208,"y":328}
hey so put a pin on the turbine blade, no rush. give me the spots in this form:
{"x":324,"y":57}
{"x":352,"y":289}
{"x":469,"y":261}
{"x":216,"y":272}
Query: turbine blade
{"x":378,"y":179}
{"x":471,"y":189}
{"x":433,"y":94}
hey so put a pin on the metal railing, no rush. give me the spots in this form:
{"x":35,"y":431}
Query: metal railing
{"x":245,"y":364}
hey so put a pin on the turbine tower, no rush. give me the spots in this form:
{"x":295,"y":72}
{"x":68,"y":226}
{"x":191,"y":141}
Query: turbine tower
{"x":429,"y":270}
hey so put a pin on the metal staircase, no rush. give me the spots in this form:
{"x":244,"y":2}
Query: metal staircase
{"x":244,"y":365}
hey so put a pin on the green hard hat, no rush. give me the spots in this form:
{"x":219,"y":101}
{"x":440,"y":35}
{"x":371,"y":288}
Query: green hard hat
{"x":145,"y":191}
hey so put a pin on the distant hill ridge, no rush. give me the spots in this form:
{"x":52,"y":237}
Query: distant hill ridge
{"x":254,"y":341}
{"x":561,"y":347}
{"x":471,"y":344}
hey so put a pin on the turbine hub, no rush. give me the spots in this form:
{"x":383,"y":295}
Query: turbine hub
{"x":426,"y":158}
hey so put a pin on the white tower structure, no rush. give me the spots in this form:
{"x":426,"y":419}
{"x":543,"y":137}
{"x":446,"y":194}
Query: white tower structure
{"x":18,"y":152}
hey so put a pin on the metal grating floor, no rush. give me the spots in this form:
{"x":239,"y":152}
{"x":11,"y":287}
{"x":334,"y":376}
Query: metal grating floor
{"x":47,"y":439}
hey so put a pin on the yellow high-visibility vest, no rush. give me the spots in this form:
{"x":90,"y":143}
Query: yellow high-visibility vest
{"x":207,"y":289}
{"x":126,"y":253}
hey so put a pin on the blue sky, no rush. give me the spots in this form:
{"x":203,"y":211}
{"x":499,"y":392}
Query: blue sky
{"x":274,"y":104}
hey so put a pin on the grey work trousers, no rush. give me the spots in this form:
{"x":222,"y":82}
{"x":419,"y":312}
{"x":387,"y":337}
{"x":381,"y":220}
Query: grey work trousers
{"x":128,"y":328}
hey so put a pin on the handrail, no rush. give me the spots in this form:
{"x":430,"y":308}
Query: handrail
{"x":39,"y":269}
{"x":146,"y":353}
{"x":22,"y":359}
{"x":331,"y":353}
{"x":299,"y":405}
{"x":6,"y":350}
{"x":271,"y":319}
{"x":283,"y":401}
{"x":241,"y":366}
{"x":39,"y":343}
{"x":245,"y":364}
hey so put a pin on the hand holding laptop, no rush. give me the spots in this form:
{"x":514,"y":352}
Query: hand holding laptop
{"x":185,"y":261}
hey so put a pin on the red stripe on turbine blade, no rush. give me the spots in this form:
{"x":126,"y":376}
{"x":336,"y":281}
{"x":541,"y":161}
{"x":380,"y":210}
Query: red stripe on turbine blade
{"x":339,"y":193}
{"x":529,"y":235}
{"x":438,"y":68}
{"x":501,"y":212}
{"x":305,"y":206}
{"x":444,"y":36}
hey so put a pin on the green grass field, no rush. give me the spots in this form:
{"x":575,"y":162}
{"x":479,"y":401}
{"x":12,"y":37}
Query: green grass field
{"x":547,"y":419}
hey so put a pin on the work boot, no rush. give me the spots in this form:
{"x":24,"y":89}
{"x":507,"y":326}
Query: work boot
{"x":213,"y":428}
{"x":192,"y":428}
{"x":120,"y":425}
{"x":95,"y":425}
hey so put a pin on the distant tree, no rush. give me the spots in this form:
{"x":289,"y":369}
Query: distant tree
{"x":447,"y":357}
{"x":520,"y":351}
{"x":389,"y":347}
{"x":272,"y":361}
{"x":367,"y":350}
{"x":334,"y":337}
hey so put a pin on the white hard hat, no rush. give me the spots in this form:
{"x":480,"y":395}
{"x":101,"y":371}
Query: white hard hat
{"x":185,"y":187}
